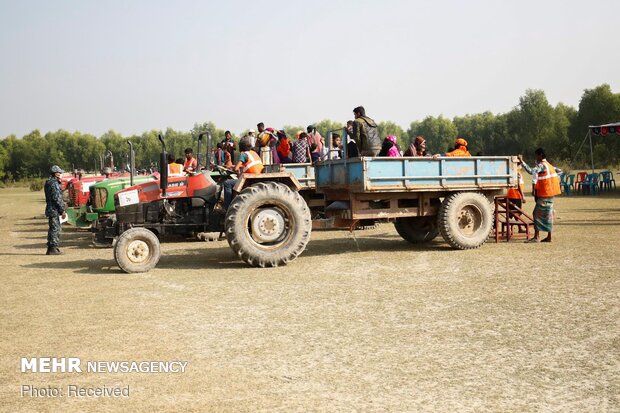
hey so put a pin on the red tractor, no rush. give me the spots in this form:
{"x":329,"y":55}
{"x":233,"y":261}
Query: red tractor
{"x":267,"y":224}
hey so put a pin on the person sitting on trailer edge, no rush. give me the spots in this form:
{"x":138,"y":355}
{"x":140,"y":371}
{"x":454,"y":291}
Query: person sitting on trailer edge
{"x":417,"y":147}
{"x":365,"y":133}
{"x":460,"y":149}
{"x":249,"y":163}
{"x":390,"y":147}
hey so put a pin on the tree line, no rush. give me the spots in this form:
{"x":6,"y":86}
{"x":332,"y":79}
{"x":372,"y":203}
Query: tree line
{"x":532,"y":123}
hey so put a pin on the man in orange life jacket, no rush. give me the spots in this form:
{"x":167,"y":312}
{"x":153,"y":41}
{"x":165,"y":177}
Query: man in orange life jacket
{"x":546,"y":185}
{"x":174,"y":168}
{"x":460,"y":148}
{"x":190,"y":165}
{"x":249,"y":163}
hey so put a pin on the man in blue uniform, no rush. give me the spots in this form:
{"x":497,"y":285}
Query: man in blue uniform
{"x":54,"y":209}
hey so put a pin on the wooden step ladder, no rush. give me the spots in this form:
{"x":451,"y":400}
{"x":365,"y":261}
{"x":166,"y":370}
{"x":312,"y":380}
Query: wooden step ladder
{"x":508,"y":217}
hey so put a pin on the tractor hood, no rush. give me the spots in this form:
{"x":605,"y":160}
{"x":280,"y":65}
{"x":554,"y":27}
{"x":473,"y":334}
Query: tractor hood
{"x":102,"y":193}
{"x":195,"y":185}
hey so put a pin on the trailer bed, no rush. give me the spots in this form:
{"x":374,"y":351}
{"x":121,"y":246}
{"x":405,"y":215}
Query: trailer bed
{"x":416,"y":174}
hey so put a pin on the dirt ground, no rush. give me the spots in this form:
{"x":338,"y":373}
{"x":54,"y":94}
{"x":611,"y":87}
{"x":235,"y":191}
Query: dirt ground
{"x":365,"y":323}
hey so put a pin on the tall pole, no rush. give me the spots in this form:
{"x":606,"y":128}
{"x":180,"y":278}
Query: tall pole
{"x":591,"y":152}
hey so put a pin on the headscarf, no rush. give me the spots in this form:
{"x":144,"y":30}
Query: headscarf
{"x":391,"y":138}
{"x":460,"y":142}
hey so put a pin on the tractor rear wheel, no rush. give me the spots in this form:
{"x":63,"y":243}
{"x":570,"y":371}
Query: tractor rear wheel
{"x":137,"y":250}
{"x":465,"y":219}
{"x":417,"y":230}
{"x":268,"y":224}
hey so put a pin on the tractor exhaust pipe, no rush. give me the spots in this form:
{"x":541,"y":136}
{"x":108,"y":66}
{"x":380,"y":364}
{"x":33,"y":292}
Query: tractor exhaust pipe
{"x":132,"y":163}
{"x":163,"y":167}
{"x":208,"y":160}
{"x":199,"y":155}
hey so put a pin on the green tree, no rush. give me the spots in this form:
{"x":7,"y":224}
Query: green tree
{"x":559,"y":143}
{"x":440,"y":133}
{"x":597,"y":106}
{"x":479,"y":130}
{"x":291,"y":131}
{"x":387,"y":128}
{"x":327,"y":125}
{"x":116,"y":144}
{"x":4,"y":160}
{"x":530,"y":124}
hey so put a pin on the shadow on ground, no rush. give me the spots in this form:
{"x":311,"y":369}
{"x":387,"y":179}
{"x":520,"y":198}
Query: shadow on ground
{"x":224,"y":258}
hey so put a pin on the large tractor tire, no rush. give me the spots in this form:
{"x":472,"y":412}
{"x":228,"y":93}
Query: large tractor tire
{"x":465,"y":220}
{"x":417,"y":230}
{"x":137,"y":250}
{"x":268,"y":224}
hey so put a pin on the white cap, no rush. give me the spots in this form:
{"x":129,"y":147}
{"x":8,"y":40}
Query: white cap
{"x":251,"y":131}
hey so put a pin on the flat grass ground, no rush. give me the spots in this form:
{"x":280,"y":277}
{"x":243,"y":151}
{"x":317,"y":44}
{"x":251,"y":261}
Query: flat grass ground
{"x":365,"y":323}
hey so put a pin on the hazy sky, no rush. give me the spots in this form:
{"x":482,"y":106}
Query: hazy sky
{"x":133,"y":66}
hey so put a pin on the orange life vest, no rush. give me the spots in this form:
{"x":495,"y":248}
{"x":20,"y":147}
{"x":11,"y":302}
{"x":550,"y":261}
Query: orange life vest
{"x":190,"y":164}
{"x":513,"y":193}
{"x":253,"y":165}
{"x":460,"y":151}
{"x":175,"y":169}
{"x":547,"y":183}
{"x":284,"y":147}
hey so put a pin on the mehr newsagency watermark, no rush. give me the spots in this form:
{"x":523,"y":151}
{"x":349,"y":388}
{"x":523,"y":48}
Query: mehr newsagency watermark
{"x":50,"y":365}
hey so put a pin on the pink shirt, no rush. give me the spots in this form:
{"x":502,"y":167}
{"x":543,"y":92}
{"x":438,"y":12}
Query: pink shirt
{"x":393,"y":152}
{"x":316,"y":139}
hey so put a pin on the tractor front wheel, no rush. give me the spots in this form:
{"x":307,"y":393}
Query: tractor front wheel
{"x":137,"y":250}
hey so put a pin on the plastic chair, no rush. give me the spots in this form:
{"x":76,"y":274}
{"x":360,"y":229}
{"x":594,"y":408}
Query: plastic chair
{"x":567,"y":183}
{"x":581,"y":176}
{"x":606,"y":179}
{"x":590,"y":184}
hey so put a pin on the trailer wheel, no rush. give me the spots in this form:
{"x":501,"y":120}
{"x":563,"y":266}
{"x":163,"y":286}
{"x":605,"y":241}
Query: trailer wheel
{"x":268,"y":224}
{"x":137,"y":250}
{"x":417,"y":230}
{"x":465,"y":220}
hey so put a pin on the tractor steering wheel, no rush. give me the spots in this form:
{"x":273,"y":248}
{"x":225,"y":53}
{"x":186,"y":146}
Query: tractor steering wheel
{"x":224,"y":171}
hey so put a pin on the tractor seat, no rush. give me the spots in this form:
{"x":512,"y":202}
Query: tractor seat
{"x":209,"y":193}
{"x":198,"y":202}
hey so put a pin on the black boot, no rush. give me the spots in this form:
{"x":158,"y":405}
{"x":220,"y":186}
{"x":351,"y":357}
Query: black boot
{"x":53,"y":251}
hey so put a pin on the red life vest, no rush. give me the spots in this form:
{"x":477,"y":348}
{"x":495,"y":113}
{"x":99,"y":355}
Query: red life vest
{"x":548,"y":183}
{"x":253,"y":165}
{"x":284,"y":147}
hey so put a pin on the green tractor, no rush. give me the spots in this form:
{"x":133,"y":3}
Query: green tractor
{"x":99,"y":207}
{"x":99,"y":213}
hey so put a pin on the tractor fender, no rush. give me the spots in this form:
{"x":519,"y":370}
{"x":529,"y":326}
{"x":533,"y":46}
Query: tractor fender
{"x":288,"y":179}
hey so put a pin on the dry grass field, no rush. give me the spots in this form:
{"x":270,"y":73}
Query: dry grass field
{"x":357,"y":323}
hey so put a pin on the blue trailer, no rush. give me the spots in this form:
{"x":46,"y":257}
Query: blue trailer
{"x":422,"y":196}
